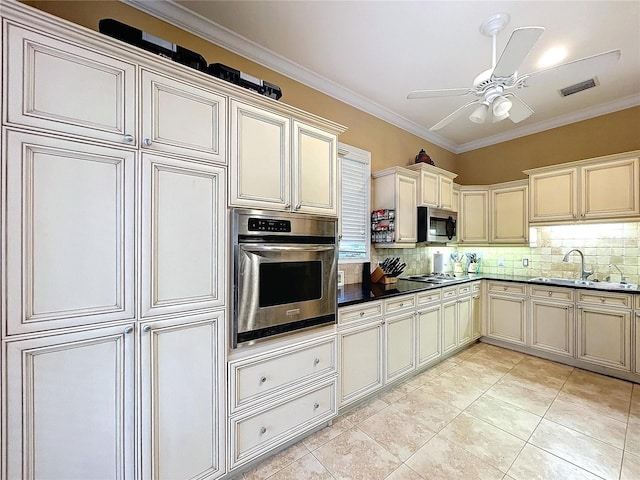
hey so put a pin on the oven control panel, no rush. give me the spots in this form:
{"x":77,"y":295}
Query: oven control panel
{"x":268,"y":225}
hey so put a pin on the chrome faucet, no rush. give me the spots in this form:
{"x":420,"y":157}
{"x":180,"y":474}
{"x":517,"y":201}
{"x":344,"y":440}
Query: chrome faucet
{"x":623,"y":279}
{"x":584,"y":274}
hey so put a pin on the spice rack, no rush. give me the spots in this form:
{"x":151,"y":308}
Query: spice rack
{"x":383,"y":226}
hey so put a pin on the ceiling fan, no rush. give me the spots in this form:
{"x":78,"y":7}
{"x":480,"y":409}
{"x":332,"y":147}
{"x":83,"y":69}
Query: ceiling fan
{"x":492,"y":88}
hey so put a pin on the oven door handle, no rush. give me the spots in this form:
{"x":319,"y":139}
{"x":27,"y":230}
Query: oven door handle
{"x":286,"y":248}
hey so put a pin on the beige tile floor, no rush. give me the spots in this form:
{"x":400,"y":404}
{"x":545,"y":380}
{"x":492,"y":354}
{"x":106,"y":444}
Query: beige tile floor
{"x":487,"y":413}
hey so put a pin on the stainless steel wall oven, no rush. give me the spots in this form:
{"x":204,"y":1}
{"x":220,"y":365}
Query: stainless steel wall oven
{"x":284,"y":273}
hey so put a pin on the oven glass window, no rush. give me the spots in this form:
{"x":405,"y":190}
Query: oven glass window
{"x":290,"y":282}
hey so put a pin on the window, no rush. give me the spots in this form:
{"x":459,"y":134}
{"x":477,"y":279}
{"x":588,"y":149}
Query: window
{"x":355,"y":205}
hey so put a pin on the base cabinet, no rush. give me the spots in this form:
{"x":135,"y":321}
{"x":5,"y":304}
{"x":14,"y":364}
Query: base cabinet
{"x":361,"y":361}
{"x":399,"y":345}
{"x":506,"y":318}
{"x":449,"y":325}
{"x":428,"y":334}
{"x":552,"y":327}
{"x":604,"y":337}
{"x":182,"y":397}
{"x":70,"y":405}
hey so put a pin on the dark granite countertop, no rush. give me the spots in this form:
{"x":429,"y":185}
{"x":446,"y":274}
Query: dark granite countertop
{"x":355,"y":293}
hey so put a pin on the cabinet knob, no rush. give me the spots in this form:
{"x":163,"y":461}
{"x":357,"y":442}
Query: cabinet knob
{"x":287,"y":206}
{"x":263,"y":379}
{"x":147,"y":142}
{"x":401,"y":305}
{"x":146,"y":328}
{"x":550,"y":293}
{"x":298,"y":206}
{"x":128,"y":138}
{"x":505,"y":289}
{"x":263,"y":430}
{"x":128,"y":330}
{"x":362,"y":314}
{"x":602,"y":300}
{"x":316,"y":406}
{"x":316,"y":361}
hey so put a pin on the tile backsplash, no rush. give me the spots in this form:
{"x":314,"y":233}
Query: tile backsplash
{"x":602,"y":244}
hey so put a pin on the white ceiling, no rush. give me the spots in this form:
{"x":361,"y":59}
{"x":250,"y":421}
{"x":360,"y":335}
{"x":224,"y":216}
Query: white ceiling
{"x":370,"y":54}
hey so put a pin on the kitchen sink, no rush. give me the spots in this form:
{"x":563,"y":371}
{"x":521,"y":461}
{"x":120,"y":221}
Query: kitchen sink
{"x":587,"y":283}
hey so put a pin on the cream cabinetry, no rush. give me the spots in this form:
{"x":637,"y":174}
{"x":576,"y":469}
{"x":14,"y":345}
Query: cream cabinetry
{"x":473,"y":218}
{"x":506,"y":311}
{"x":455,"y":198}
{"x":428,"y":327}
{"x":281,"y":163}
{"x":182,"y":118}
{"x":399,"y":336}
{"x":279,"y":394}
{"x":449,"y":325}
{"x":360,"y":350}
{"x":183,"y":256}
{"x":182,"y":397}
{"x":583,"y":190}
{"x":509,"y":209}
{"x":70,"y":227}
{"x":68,"y":401}
{"x":435,"y":186}
{"x":59,"y":85}
{"x":395,"y":188}
{"x":604,"y":329}
{"x":552,"y":327}
{"x":636,"y":337}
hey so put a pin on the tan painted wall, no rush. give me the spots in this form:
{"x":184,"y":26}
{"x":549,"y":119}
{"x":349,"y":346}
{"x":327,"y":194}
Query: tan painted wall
{"x":388,"y":145}
{"x":605,"y":135}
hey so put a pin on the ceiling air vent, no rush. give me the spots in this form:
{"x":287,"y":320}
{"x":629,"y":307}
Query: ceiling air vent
{"x":578,"y":87}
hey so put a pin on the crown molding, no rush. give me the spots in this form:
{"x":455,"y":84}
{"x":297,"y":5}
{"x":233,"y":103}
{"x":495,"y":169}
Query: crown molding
{"x":202,"y":27}
{"x":584,"y":114}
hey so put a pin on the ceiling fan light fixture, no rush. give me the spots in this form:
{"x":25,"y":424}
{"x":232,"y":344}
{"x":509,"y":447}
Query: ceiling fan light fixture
{"x":501,"y":106}
{"x":479,"y":115}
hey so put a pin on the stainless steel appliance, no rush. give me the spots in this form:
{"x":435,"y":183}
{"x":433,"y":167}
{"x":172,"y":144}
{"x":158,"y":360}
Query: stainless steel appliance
{"x":436,"y":226}
{"x":284,"y":273}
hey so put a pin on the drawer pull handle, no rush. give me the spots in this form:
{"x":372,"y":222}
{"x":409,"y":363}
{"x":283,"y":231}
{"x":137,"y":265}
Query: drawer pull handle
{"x":263,"y":430}
{"x":263,"y":379}
{"x":362,"y":314}
{"x":316,"y":406}
{"x":316,"y":361}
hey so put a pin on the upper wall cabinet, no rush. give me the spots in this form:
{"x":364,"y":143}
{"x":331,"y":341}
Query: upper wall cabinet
{"x":395,"y":189}
{"x":509,"y":207}
{"x":182,"y":118}
{"x":435,"y":186}
{"x":61,"y":86}
{"x":281,"y":163}
{"x":473,"y":222}
{"x":599,"y":189}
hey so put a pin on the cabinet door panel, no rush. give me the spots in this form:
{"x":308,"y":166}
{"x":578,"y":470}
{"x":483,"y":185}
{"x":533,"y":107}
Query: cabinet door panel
{"x":406,"y":216}
{"x":182,"y":373}
{"x":449,"y":326}
{"x":465,"y":321}
{"x":604,"y":337}
{"x":600,"y":200}
{"x":60,"y":86}
{"x":400,"y":345}
{"x":360,"y":351}
{"x":70,"y":405}
{"x":554,"y":195}
{"x":259,"y":163}
{"x":429,"y":189}
{"x":446,"y":194}
{"x":182,"y":118}
{"x":474,"y":217}
{"x":552,"y":327}
{"x":314,"y":170}
{"x":70,"y":213}
{"x":510,"y":215}
{"x":429,"y":331}
{"x":506,"y":319}
{"x":183,"y":235}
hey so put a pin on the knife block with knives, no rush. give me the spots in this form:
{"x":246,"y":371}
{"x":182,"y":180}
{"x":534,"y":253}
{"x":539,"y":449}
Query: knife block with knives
{"x":387,"y":271}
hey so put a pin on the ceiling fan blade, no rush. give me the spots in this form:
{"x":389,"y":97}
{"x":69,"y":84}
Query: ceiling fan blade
{"x":440,"y":92}
{"x":519,"y":110}
{"x":569,"y":73}
{"x":450,"y":118}
{"x":520,"y":43}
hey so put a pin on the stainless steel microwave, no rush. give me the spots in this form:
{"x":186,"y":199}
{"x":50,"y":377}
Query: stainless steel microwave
{"x":436,"y":226}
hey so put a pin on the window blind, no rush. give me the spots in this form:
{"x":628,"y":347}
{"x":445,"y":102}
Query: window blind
{"x":354,"y":215}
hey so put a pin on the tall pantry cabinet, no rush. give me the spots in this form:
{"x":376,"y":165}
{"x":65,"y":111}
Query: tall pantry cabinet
{"x":114,"y":228}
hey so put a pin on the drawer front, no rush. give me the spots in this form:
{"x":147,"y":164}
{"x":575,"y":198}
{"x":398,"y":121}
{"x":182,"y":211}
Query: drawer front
{"x":428,"y":297}
{"x":552,"y":293}
{"x":637,"y":302}
{"x":475,"y":287}
{"x":622,"y":300}
{"x":362,"y":311}
{"x":399,"y":304}
{"x":256,"y":379}
{"x":255,"y":434}
{"x":507,"y":287}
{"x":464,"y":289}
{"x":448,"y":293}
